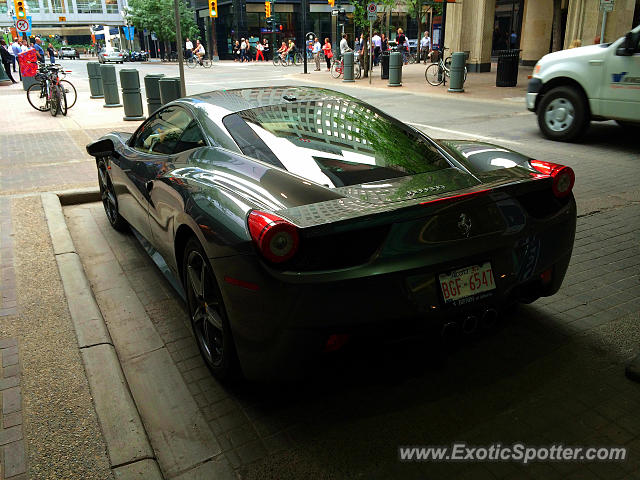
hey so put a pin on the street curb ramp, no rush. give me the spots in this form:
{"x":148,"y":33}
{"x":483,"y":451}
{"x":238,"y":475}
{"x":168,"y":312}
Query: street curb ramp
{"x":128,"y":445}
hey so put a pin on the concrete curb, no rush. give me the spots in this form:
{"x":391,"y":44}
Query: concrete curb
{"x":128,"y":446}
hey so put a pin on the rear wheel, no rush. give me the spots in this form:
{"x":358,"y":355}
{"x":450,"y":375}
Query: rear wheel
{"x":109,"y":199}
{"x":336,"y":69}
{"x":70,"y":92}
{"x":37,"y":97}
{"x":562,"y":114}
{"x":434,"y":74}
{"x":207,"y":313}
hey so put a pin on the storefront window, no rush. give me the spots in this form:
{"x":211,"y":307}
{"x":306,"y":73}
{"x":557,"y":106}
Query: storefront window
{"x":32,"y":6}
{"x":57,"y":6}
{"x":112,"y":6}
{"x":89,"y":6}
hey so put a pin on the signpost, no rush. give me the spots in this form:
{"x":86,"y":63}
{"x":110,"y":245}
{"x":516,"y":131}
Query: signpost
{"x":606,"y":6}
{"x":372,"y":16}
{"x":22,"y":26}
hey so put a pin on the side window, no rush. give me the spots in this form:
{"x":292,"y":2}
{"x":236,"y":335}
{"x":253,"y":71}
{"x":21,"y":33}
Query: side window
{"x":160,"y":134}
{"x":191,"y":138}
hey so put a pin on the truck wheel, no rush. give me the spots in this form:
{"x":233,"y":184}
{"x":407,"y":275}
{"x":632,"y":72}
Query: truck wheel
{"x":562,"y":114}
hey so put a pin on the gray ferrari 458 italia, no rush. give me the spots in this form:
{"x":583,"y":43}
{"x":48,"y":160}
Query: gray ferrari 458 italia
{"x":299,"y":220}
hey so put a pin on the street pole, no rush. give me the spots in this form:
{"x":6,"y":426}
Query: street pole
{"x":604,"y":25}
{"x":444,"y":23}
{"x":369,"y":49}
{"x":176,"y":11}
{"x":305,"y":6}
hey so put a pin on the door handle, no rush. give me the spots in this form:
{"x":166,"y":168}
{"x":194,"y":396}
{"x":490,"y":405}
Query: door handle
{"x":149,"y":185}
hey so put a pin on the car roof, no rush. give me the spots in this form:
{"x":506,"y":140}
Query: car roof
{"x":237,"y":100}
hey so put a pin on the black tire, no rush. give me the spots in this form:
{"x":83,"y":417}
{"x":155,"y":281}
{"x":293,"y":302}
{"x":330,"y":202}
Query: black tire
{"x":563,"y":114}
{"x":70,"y":91}
{"x":207,"y":313}
{"x":206,"y":63}
{"x":36,"y":98}
{"x":191,"y":63}
{"x":54,"y":101}
{"x":434,"y":74}
{"x":109,"y":199}
{"x":63,"y":100}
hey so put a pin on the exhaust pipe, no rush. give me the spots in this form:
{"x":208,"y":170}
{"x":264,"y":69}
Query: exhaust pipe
{"x":470,"y":324}
{"x":449,"y":330}
{"x":489,"y":318}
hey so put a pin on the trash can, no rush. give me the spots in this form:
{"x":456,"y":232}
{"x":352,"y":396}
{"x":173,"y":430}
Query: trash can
{"x":95,"y":80}
{"x":395,"y":70}
{"x":169,"y":89}
{"x":384,"y":65}
{"x":507,"y":75}
{"x":131,"y":98}
{"x":152,"y":90}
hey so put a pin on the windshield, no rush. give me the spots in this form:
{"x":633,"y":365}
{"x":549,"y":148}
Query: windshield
{"x":335,"y":142}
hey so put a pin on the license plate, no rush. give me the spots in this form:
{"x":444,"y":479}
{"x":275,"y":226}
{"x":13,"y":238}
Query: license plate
{"x":466,"y":282}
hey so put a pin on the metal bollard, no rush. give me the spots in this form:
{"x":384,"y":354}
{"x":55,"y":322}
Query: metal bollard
{"x":110,"y":86}
{"x":95,"y":80}
{"x":152,"y":90}
{"x":347,"y":71}
{"x":130,"y":83}
{"x":169,"y":89}
{"x":395,"y":69}
{"x":456,"y":83}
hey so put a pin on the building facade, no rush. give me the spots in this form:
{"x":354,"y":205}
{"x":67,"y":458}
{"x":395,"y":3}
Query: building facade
{"x":70,"y":19}
{"x":484,"y":27}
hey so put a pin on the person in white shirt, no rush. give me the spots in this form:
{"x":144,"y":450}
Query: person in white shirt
{"x":344,"y":45}
{"x":317,"y":48}
{"x":188,"y":45}
{"x":377,"y":46}
{"x":425,"y":46}
{"x":199,"y":51}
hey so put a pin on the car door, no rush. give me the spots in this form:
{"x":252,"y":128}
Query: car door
{"x":622,"y":83}
{"x":165,"y":202}
{"x":145,"y":156}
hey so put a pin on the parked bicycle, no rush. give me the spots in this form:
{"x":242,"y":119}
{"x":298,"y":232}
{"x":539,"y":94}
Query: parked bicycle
{"x":337,"y":67}
{"x":194,"y":61}
{"x":437,"y":73}
{"x":52,"y":92}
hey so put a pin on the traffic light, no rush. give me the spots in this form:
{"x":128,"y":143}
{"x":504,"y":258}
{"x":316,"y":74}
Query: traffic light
{"x":21,"y":13}
{"x":267,"y":9}
{"x":332,"y":2}
{"x":342,"y":16}
{"x":213,"y":8}
{"x":269,"y":21}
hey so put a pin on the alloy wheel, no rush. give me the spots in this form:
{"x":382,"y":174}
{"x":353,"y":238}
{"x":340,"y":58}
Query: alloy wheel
{"x":204,"y":308}
{"x":108,"y":196}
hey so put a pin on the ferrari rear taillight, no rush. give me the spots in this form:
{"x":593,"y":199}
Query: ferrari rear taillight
{"x":563,"y":177}
{"x":276,"y":239}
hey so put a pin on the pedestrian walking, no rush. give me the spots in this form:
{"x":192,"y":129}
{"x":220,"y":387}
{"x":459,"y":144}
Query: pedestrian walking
{"x":236,"y":51}
{"x":243,"y":51}
{"x":425,"y":46}
{"x":377,"y":47}
{"x":317,"y":48}
{"x":7,"y":59}
{"x":328,"y":53}
{"x":267,"y":50}
{"x":16,"y":50}
{"x":52,"y":54}
{"x":188,"y":47}
{"x":259,"y":50}
{"x":384,"y":43}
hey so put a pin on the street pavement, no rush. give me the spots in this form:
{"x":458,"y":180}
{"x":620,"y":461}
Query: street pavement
{"x":552,"y":373}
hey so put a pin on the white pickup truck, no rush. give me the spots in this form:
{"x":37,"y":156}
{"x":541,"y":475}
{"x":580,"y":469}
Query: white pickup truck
{"x":571,"y":87}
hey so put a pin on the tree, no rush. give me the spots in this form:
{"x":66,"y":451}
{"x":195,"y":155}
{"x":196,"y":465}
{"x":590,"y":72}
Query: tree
{"x":157,"y":16}
{"x":360,"y":20}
